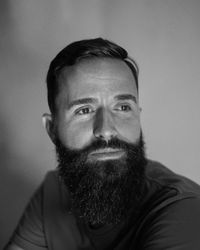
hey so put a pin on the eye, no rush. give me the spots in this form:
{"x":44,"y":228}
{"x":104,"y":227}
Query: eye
{"x":84,"y":111}
{"x":124,"y":107}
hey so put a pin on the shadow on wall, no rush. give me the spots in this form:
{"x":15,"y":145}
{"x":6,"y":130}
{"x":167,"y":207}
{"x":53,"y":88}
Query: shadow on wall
{"x":15,"y":189}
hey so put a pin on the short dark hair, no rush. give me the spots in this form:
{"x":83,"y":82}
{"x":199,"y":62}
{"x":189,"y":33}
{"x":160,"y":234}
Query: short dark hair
{"x":76,"y":51}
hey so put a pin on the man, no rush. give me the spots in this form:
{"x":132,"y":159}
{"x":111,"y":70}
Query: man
{"x":105,"y":194}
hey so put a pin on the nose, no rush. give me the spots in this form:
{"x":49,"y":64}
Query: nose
{"x":104,"y":127}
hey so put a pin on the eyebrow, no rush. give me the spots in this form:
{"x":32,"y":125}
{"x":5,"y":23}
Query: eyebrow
{"x":82,"y":101}
{"x":124,"y":97}
{"x":90,"y":100}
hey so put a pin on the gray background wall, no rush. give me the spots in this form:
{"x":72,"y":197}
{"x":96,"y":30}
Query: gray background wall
{"x":162,"y":35}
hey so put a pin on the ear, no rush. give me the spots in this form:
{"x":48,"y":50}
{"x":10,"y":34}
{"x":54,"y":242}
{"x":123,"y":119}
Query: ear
{"x":47,"y":121}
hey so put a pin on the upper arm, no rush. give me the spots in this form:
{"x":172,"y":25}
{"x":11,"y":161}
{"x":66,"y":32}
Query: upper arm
{"x":175,"y":227}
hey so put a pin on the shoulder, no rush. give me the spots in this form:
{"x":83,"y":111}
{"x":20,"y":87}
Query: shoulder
{"x":165,"y":190}
{"x":164,"y":177}
{"x":42,"y":212}
{"x":171,"y":211}
{"x":55,"y":194}
{"x":175,"y":226}
{"x":51,"y":176}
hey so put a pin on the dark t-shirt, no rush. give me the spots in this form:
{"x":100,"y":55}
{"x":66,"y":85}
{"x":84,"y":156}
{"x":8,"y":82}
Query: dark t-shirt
{"x":168,"y":218}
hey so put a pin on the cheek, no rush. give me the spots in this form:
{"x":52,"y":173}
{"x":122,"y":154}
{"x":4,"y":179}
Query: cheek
{"x":75,"y":136}
{"x":129,"y":130}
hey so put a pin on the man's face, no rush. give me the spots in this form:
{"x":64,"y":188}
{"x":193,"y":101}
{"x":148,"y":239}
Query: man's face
{"x":99,"y":140}
{"x":97,"y":99}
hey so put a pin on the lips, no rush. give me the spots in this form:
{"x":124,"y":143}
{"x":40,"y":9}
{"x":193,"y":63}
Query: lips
{"x":107,"y":153}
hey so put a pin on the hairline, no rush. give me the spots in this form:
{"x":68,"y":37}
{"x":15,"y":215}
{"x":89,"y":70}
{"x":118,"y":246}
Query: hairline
{"x":77,"y":51}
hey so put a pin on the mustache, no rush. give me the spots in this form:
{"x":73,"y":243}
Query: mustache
{"x":72,"y":155}
{"x":99,"y":144}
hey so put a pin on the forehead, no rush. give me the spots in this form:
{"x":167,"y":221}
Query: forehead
{"x":93,"y":76}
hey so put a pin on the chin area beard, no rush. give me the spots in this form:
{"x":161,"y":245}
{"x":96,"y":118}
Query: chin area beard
{"x":103,"y":192}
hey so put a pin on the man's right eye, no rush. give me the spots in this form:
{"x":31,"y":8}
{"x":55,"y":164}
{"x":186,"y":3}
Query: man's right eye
{"x":84,"y":111}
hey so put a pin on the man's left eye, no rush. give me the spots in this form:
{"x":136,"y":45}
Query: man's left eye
{"x":124,"y":107}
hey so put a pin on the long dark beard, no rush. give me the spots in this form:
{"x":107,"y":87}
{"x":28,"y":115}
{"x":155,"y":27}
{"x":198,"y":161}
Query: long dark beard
{"x":103,"y":192}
